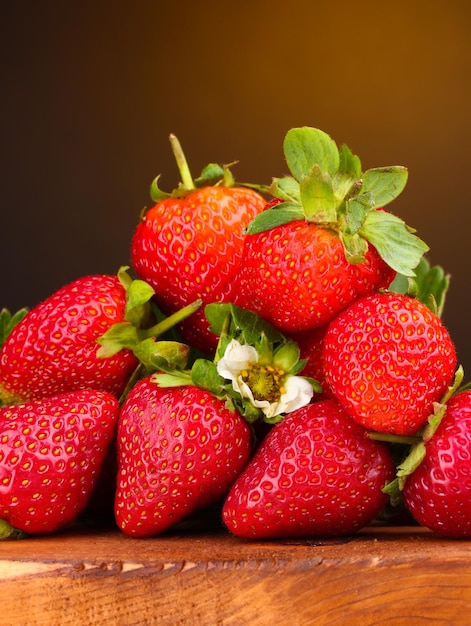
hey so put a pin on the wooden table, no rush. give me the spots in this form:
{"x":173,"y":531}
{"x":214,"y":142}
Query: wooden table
{"x":89,"y":576}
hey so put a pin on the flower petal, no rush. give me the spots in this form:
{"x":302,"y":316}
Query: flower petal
{"x":236,"y":358}
{"x":298,"y":393}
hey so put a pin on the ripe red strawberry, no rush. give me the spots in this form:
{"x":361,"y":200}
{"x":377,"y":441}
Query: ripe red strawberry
{"x":53,"y":349}
{"x":315,"y":474}
{"x":297,"y":276}
{"x":328,"y":242}
{"x":387,"y":359}
{"x":179,"y":450}
{"x":438,"y":492}
{"x":51,"y":454}
{"x":188,"y":246}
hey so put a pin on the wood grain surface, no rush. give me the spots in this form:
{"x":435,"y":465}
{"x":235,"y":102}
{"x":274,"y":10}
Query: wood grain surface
{"x":88,"y":576}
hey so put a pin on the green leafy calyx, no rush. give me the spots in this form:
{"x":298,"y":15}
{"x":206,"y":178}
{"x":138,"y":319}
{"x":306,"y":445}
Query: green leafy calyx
{"x":211,"y":175}
{"x":327,"y":187}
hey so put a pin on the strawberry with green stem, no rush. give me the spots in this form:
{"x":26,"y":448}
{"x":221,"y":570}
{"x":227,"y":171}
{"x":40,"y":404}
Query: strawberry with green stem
{"x":184,"y":435}
{"x":188,"y":245}
{"x":436,"y":488}
{"x":328,"y":241}
{"x":55,"y":347}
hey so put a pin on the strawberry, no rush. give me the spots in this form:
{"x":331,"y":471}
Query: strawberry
{"x":387,"y":358}
{"x":53,"y":349}
{"x":438,"y":491}
{"x":179,"y":450}
{"x":188,"y":245}
{"x":51,"y":454}
{"x":328,"y":242}
{"x":315,"y":474}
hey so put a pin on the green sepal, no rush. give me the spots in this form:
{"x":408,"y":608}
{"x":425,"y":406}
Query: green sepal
{"x":228,"y":319}
{"x":317,"y":197}
{"x":212,"y":174}
{"x":439,"y":408}
{"x":410,"y":463}
{"x":353,"y":216}
{"x":394,"y":241}
{"x":175,"y":379}
{"x":286,"y":357}
{"x":8,"y":321}
{"x":204,"y":375}
{"x":162,"y":355}
{"x":417,"y":450}
{"x":142,"y":321}
{"x":9,"y":532}
{"x":355,"y":247}
{"x":394,"y":491}
{"x":286,"y":188}
{"x":430,"y":285}
{"x":156,"y":193}
{"x":138,"y":296}
{"x":119,"y":336}
{"x":280,"y":214}
{"x":306,"y":147}
{"x":347,"y":179}
{"x":384,"y":183}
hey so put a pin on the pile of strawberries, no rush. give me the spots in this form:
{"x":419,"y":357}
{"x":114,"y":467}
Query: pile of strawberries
{"x":275,"y":356}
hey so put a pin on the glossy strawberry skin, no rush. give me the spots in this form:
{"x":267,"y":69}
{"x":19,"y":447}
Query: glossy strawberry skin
{"x":315,"y":474}
{"x":53,"y":349}
{"x":179,"y":450}
{"x":51,"y":454}
{"x":387,"y":358}
{"x":297,"y":276}
{"x":438,"y":492}
{"x":189,"y":248}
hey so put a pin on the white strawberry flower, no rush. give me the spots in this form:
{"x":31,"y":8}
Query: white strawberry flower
{"x":268,"y":386}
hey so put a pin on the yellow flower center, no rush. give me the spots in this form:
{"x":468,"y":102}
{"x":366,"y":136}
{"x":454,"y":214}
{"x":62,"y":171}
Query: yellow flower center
{"x":265,"y":381}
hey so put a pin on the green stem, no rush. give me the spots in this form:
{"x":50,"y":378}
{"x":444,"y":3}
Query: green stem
{"x":135,"y":376}
{"x":172,"y":320}
{"x":223,"y":335}
{"x":390,"y":438}
{"x":182,"y":163}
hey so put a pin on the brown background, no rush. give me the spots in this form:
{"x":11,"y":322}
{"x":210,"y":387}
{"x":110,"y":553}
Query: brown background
{"x":90,"y":91}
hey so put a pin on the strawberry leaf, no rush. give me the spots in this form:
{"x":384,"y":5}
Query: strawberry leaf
{"x":9,"y":321}
{"x":9,"y":532}
{"x":162,"y":355}
{"x":355,"y":247}
{"x":286,"y":188}
{"x":210,"y":175}
{"x":430,"y":285}
{"x":306,"y":147}
{"x":317,"y":197}
{"x":138,"y":296}
{"x":204,"y":375}
{"x":244,"y":325}
{"x":385,"y":183}
{"x":120,"y":335}
{"x":276,"y":216}
{"x":394,"y":241}
{"x":348,"y":174}
{"x":356,"y":210}
{"x":156,"y":193}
